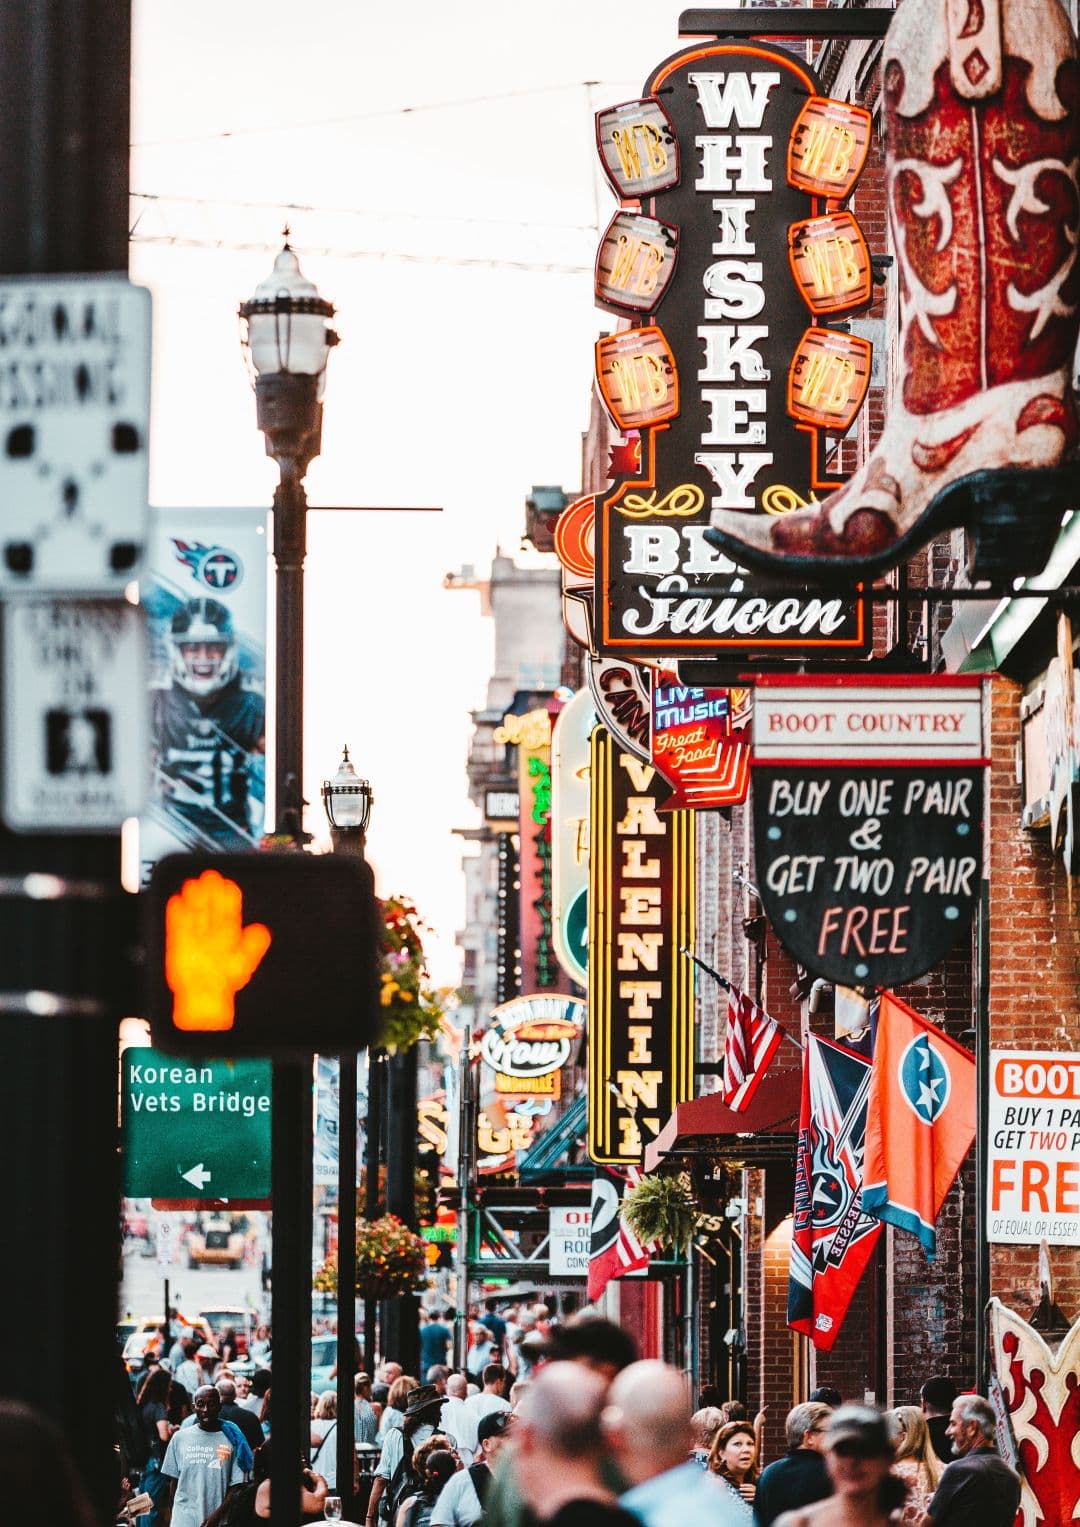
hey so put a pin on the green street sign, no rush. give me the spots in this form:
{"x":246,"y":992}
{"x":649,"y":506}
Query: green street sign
{"x":195,"y":1129}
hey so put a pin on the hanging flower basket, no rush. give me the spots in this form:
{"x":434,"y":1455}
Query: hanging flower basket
{"x":662,"y":1209}
{"x":390,"y":1260}
{"x":411,"y":1009}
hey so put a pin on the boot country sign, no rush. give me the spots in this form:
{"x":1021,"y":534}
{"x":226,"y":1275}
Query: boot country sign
{"x":736,"y":257}
{"x":868,"y":820}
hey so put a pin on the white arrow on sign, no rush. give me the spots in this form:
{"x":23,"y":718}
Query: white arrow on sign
{"x":198,"y":1176}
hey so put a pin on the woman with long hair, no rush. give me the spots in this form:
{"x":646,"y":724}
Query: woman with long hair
{"x":916,"y":1464}
{"x":433,"y":1463}
{"x":731,"y":1459}
{"x":859,"y":1457}
{"x":153,"y":1401}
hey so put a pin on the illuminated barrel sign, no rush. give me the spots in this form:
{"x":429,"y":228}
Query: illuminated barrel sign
{"x":529,"y":1042}
{"x":741,"y":170}
{"x":868,"y":821}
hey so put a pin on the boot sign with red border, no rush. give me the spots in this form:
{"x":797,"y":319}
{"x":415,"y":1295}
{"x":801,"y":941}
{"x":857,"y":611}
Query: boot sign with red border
{"x":982,"y":143}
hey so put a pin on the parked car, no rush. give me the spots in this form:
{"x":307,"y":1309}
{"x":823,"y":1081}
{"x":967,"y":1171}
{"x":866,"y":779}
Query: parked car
{"x":222,"y":1318}
{"x":145,"y":1332}
{"x":323,"y":1362}
{"x":214,"y":1243}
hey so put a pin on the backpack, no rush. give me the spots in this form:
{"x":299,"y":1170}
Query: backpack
{"x":480,"y":1475}
{"x":404,"y":1482}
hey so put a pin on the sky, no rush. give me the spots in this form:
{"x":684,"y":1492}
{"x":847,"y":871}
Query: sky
{"x":437,"y":169}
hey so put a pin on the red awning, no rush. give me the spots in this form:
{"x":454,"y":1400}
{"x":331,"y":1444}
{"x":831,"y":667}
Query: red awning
{"x":706,"y":1126}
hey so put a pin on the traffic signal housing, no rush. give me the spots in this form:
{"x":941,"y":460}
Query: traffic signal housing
{"x":259,"y":954}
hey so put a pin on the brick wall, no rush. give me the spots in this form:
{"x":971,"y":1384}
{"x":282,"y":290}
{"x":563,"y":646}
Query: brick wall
{"x":1034,"y":971}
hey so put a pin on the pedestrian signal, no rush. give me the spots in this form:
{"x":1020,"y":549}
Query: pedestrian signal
{"x":255,"y":954}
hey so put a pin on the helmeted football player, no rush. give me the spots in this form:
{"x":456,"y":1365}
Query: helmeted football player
{"x":210,"y":723}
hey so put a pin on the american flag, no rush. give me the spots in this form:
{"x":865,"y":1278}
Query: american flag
{"x":614,"y":1249}
{"x":752,"y":1040}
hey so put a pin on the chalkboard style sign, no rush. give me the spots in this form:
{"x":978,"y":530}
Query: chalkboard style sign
{"x":868,"y":810}
{"x":868,"y":875}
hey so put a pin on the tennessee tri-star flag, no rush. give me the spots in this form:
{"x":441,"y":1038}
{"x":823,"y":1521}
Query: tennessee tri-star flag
{"x":920,"y":1120}
{"x":753,"y":1038}
{"x":831,"y":1238}
{"x":614,"y":1249}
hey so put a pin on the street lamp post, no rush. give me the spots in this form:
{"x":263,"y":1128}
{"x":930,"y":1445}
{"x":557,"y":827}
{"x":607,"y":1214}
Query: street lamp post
{"x":347,"y":800}
{"x":287,"y":340}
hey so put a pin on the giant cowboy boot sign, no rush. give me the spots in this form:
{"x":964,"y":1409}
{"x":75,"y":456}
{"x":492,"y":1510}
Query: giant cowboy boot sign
{"x":982,"y":149}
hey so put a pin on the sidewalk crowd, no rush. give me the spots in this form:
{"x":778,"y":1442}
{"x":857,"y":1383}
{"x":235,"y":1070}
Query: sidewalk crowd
{"x":554,"y":1424}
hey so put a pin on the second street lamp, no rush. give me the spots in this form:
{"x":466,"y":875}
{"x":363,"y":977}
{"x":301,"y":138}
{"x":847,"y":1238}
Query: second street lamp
{"x":347,"y":800}
{"x":287,"y":340}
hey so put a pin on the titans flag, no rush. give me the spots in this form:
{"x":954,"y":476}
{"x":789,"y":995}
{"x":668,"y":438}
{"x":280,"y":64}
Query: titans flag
{"x":831,"y":1238}
{"x":920,"y":1123}
{"x":614,"y":1249}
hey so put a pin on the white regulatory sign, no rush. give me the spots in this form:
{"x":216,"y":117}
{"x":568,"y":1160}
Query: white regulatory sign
{"x":568,"y":1246}
{"x":74,"y":433}
{"x":76,"y":733}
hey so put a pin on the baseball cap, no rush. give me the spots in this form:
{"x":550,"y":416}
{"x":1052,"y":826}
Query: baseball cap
{"x":858,"y":1431}
{"x":494,"y":1424}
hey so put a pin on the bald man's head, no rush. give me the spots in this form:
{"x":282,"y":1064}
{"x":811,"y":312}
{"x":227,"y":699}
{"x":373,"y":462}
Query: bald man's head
{"x":457,"y":1386}
{"x":647,"y":1420}
{"x":560,"y":1414}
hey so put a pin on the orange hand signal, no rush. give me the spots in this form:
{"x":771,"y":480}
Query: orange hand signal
{"x":209,"y":954}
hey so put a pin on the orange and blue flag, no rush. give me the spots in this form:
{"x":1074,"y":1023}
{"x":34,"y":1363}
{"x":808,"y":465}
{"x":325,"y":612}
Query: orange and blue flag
{"x":920,"y":1120}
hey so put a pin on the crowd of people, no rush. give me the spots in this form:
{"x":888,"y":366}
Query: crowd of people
{"x":582,"y":1433}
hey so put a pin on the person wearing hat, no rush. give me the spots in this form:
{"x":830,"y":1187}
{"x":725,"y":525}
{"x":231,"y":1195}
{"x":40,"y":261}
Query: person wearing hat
{"x":208,"y":1360}
{"x":859,"y":1456}
{"x":463,"y":1497}
{"x":394,"y":1469}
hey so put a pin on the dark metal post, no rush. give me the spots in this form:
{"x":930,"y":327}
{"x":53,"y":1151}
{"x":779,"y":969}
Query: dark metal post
{"x":346,"y":1299}
{"x":65,"y":82}
{"x":466,"y":1136}
{"x":373,"y":1155}
{"x":291,"y":1152}
{"x":351,"y":843}
{"x":401,"y":1340}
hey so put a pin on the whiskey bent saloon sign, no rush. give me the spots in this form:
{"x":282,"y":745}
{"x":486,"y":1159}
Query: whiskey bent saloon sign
{"x":734,"y":255}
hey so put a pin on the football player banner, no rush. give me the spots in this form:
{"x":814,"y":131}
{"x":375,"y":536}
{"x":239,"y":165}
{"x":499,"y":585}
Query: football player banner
{"x":205,"y":599}
{"x":920,"y":1120}
{"x":832,"y":1238}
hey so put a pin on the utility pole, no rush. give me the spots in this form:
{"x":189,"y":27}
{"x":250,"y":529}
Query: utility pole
{"x":65,"y":81}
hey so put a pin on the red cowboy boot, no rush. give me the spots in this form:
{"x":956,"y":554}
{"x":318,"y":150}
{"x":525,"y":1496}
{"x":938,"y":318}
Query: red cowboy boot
{"x":982,"y":141}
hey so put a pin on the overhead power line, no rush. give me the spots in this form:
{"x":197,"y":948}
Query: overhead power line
{"x":367,"y":116}
{"x":166,"y":199}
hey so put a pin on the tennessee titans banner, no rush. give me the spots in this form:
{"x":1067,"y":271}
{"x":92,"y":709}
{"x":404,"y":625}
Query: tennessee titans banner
{"x":205,"y":597}
{"x":831,"y":1238}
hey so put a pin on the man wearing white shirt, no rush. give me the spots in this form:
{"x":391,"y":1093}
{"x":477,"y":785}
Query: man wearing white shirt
{"x":493,"y":1395}
{"x":461,"y":1501}
{"x":456,"y":1420}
